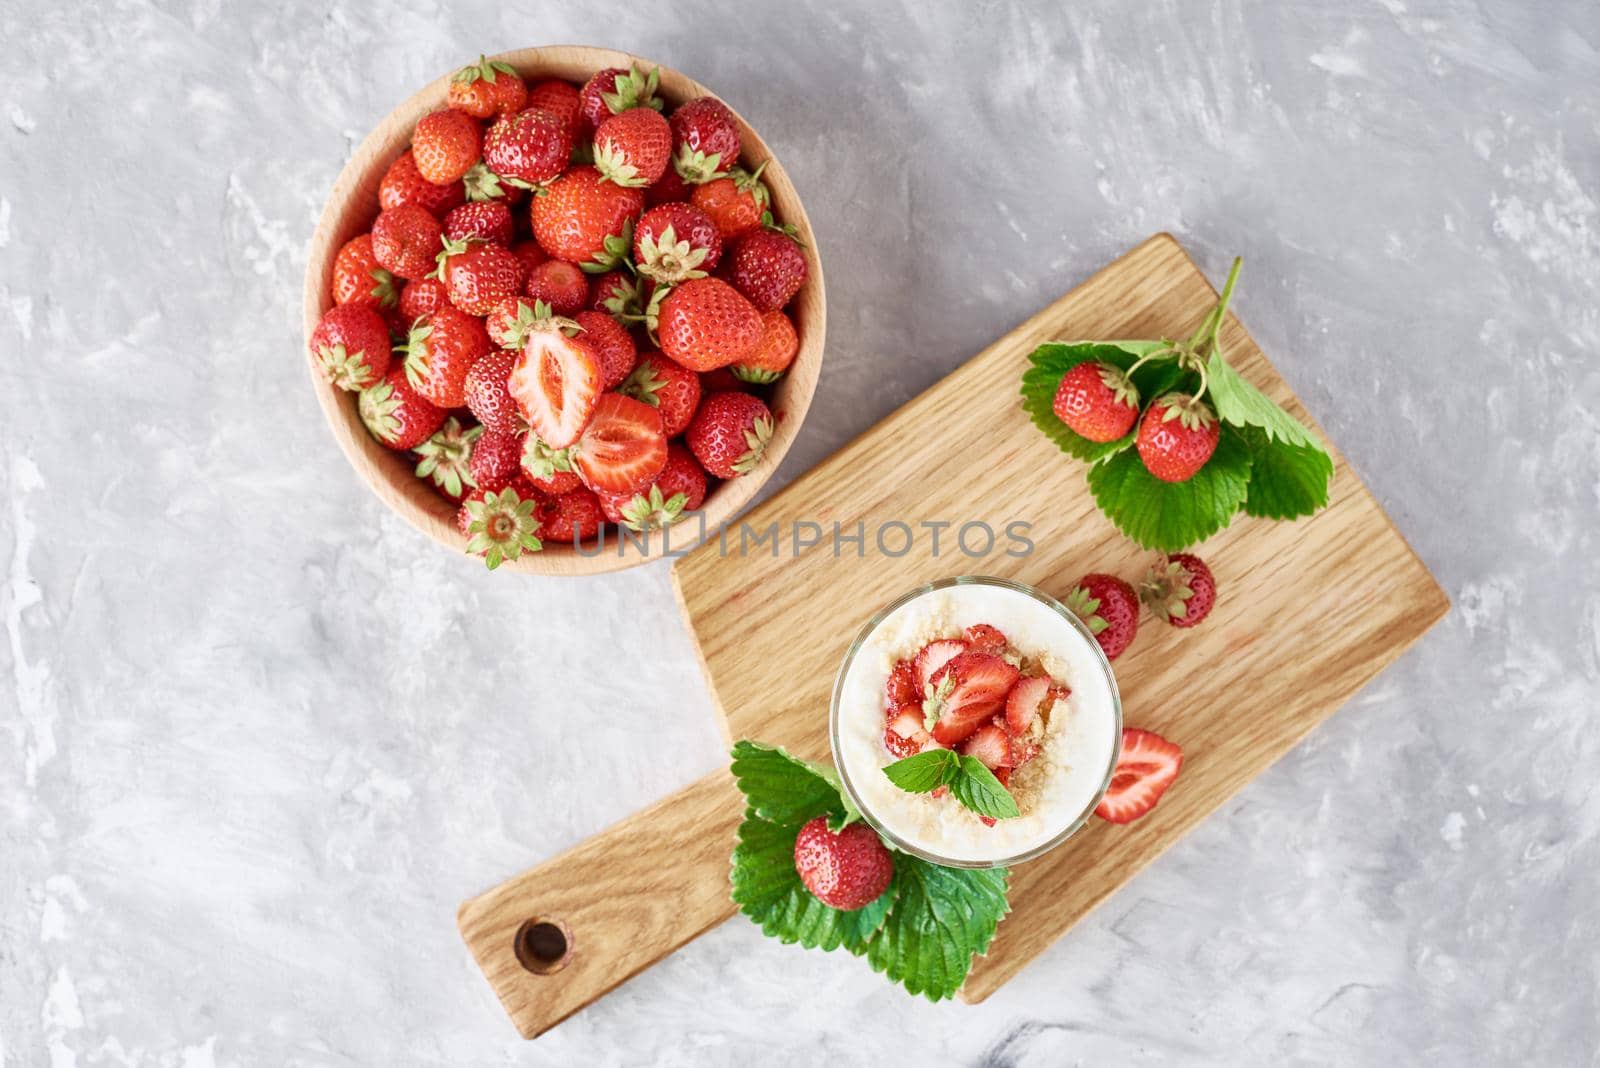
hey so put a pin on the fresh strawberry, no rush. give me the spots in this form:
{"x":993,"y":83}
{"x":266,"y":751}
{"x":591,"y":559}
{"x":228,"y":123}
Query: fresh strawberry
{"x":675,"y":242}
{"x":397,"y":415}
{"x":776,"y":351}
{"x":1097,"y":401}
{"x":1180,"y":589}
{"x":570,"y":517}
{"x":616,"y":293}
{"x":665,"y":385}
{"x":612,"y":344}
{"x":404,"y":184}
{"x":845,"y":871}
{"x":668,"y":189}
{"x":422,"y":296}
{"x":904,"y":734}
{"x":721,"y":380}
{"x":550,"y":470}
{"x":487,"y":87}
{"x":613,"y":91}
{"x":479,"y":275}
{"x":730,"y":433}
{"x":496,"y":459}
{"x":1110,"y":608}
{"x":530,"y":254}
{"x":735,"y":202}
{"x":1146,"y":766}
{"x":444,"y":459}
{"x":358,"y":278}
{"x":1028,"y":699}
{"x":705,"y":324}
{"x":481,"y":220}
{"x":511,"y":320}
{"x":559,"y":284}
{"x":556,"y":383}
{"x":901,"y":689}
{"x":991,"y":745}
{"x":705,"y":140}
{"x":487,"y":397}
{"x":445,"y":145}
{"x":584,"y":219}
{"x":405,"y":240}
{"x":440,"y":351}
{"x":984,"y":638}
{"x":623,"y":448}
{"x":351,"y":346}
{"x":527,"y":149}
{"x":930,"y":658}
{"x":500,"y":525}
{"x":679,"y":488}
{"x":560,"y":99}
{"x":768,"y":268}
{"x":969,"y":689}
{"x":633,"y":147}
{"x":1177,"y":436}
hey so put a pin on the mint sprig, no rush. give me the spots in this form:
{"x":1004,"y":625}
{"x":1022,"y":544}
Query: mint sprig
{"x":970,"y":782}
{"x":922,"y":932}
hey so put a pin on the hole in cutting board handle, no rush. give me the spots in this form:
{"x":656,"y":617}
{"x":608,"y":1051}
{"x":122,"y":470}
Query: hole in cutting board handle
{"x":543,"y":946}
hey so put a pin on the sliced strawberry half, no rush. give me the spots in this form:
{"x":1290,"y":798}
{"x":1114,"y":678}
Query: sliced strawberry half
{"x":905,"y":736}
{"x":901,"y":688}
{"x":623,"y":448}
{"x":986,"y":639}
{"x":991,"y":745}
{"x":969,"y":689}
{"x":1147,"y":765}
{"x":556,"y":382}
{"x":932,"y":657}
{"x":1030,"y":697}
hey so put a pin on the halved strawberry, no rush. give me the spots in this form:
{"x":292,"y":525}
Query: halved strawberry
{"x":991,"y":745}
{"x":969,"y":689}
{"x":905,"y":736}
{"x":556,"y":383}
{"x":901,"y":689}
{"x":623,"y":448}
{"x":986,"y":639}
{"x":1147,"y":765}
{"x":931,"y":658}
{"x":1025,"y":701}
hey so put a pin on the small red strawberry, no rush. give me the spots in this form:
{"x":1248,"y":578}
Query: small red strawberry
{"x":1180,"y":589}
{"x":560,"y":99}
{"x":665,"y":385}
{"x":679,"y":488}
{"x":633,"y":147}
{"x":1177,"y":436}
{"x":623,"y":447}
{"x":358,"y":278}
{"x":901,"y":688}
{"x":675,"y":242}
{"x":612,"y":344}
{"x":584,"y":219}
{"x":404,"y":184}
{"x":845,"y":871}
{"x":616,"y":293}
{"x":501,"y":525}
{"x":705,"y":324}
{"x":730,"y":433}
{"x":397,"y":415}
{"x":550,"y":470}
{"x":487,"y":87}
{"x":406,"y":240}
{"x":768,"y":267}
{"x":778,"y":347}
{"x":613,"y":91}
{"x":556,"y":383}
{"x":440,"y":351}
{"x":496,"y":460}
{"x":445,"y":145}
{"x":983,"y":638}
{"x":735,"y":202}
{"x":1146,"y":766}
{"x":479,"y":275}
{"x":964,"y":693}
{"x":481,"y":220}
{"x":421,"y":296}
{"x":511,"y":320}
{"x":487,"y":396}
{"x":351,"y":346}
{"x":991,"y":745}
{"x":444,"y":459}
{"x":570,"y":517}
{"x":705,"y":140}
{"x":1097,"y":401}
{"x":527,"y":149}
{"x":904,"y":735}
{"x":930,"y":658}
{"x":559,"y":284}
{"x":1110,"y":608}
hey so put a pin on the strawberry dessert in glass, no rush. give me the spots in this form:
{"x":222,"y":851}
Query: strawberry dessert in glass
{"x":975,"y":722}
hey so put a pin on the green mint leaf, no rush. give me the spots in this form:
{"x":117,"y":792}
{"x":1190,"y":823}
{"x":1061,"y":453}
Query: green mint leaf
{"x":1240,"y":403}
{"x":1055,"y":358}
{"x":978,"y":789}
{"x":767,"y":888}
{"x":924,"y":771}
{"x":1286,"y":480}
{"x":782,"y":789}
{"x":1170,"y":516}
{"x":940,"y":919}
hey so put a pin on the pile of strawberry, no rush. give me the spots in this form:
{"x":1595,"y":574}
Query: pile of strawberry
{"x":567,"y":306}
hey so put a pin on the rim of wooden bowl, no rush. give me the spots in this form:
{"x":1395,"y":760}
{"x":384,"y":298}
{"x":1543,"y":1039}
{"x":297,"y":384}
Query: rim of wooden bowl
{"x":349,"y":210}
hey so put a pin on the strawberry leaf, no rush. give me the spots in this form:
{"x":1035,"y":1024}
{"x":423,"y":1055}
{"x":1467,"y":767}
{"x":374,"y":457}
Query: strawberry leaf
{"x":1286,"y":480}
{"x":783,"y":789}
{"x":1240,"y":403}
{"x":1170,"y":516}
{"x":941,"y":918}
{"x":1054,"y":359}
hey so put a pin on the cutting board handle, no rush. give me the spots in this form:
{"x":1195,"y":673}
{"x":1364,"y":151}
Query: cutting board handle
{"x":560,"y":935}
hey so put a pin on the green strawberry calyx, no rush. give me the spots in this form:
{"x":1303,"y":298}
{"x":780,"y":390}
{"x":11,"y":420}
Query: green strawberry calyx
{"x":695,"y":167}
{"x":634,"y":89}
{"x":443,"y":457}
{"x":416,"y":350}
{"x":756,"y":440}
{"x":482,"y":183}
{"x":1167,"y":589}
{"x":1189,"y":411}
{"x":770,"y":222}
{"x":652,"y":511}
{"x":613,"y":251}
{"x":484,"y":70}
{"x":612,"y":162}
{"x":383,"y":288}
{"x":669,"y":259}
{"x":501,"y":526}
{"x":643,"y":385}
{"x":379,"y":409}
{"x":347,"y":370}
{"x":757,"y":376}
{"x":1123,"y":391}
{"x":541,"y":461}
{"x":1086,"y":607}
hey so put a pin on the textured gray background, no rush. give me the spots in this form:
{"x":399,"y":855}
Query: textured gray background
{"x":259,"y":738}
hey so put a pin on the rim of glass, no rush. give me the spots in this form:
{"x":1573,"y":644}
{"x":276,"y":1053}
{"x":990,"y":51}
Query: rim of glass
{"x":923,"y":590}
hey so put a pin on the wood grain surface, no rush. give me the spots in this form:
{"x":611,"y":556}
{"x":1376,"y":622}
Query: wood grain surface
{"x":1307,"y":612}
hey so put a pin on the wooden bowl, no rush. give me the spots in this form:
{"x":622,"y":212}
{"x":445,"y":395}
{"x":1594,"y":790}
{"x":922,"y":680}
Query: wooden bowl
{"x":353,"y":205}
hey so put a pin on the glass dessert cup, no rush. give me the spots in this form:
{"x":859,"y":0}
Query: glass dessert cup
{"x":1068,"y":641}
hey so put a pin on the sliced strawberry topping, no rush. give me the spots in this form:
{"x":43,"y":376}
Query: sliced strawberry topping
{"x":966,"y":691}
{"x":934,"y":656}
{"x":991,"y":745}
{"x":905,"y":736}
{"x":556,"y":383}
{"x":623,"y":448}
{"x":902,"y":686}
{"x":986,"y":639}
{"x":1024,"y":702}
{"x":1147,"y":765}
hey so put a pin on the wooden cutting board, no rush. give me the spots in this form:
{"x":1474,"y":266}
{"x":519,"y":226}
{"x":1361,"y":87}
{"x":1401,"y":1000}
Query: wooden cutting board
{"x":1307,"y":612}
